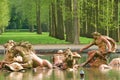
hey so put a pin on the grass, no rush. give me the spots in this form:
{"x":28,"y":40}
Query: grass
{"x":84,"y":40}
{"x":35,"y":38}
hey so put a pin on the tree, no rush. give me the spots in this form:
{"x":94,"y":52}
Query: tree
{"x":118,"y":29}
{"x":28,"y":13}
{"x":23,"y":11}
{"x":52,"y":18}
{"x":76,"y":30}
{"x":115,"y":20}
{"x":4,"y":14}
{"x":39,"y":31}
{"x":30,"y":10}
{"x":68,"y":21}
{"x":60,"y":25}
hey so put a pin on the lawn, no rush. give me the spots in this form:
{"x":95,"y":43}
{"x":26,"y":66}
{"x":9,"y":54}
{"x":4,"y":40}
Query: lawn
{"x":35,"y":38}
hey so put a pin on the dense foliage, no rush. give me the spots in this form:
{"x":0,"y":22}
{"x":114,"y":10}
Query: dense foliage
{"x":60,"y":17}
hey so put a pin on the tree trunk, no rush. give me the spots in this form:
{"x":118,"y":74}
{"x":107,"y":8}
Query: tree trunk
{"x":115,"y":19}
{"x":68,"y":21}
{"x":31,"y":28}
{"x":96,"y":14}
{"x":107,"y":28}
{"x":118,"y":29}
{"x":39,"y":31}
{"x":1,"y":31}
{"x":81,"y":20}
{"x":76,"y":30}
{"x":50,"y":20}
{"x":60,"y":26}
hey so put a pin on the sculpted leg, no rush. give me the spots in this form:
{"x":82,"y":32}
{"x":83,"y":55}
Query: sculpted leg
{"x":46,"y":63}
{"x":36,"y":60}
{"x":90,"y":57}
{"x":40,"y":62}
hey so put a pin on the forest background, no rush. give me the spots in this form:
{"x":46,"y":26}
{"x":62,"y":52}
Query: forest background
{"x":62,"y":19}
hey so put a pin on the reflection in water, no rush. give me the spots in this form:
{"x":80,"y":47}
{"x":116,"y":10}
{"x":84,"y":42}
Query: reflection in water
{"x":59,"y":74}
{"x":117,"y":68}
{"x":41,"y":74}
{"x":45,"y":74}
{"x":66,"y":75}
{"x":14,"y":76}
{"x":95,"y":74}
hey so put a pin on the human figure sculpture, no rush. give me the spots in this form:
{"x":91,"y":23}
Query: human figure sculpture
{"x":105,"y":44}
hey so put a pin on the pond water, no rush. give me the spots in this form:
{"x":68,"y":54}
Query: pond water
{"x":55,"y":74}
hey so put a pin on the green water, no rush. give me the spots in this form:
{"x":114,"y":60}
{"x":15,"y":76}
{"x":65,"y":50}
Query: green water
{"x":55,"y":74}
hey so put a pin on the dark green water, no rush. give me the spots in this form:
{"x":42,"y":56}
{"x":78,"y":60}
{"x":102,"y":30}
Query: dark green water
{"x":90,"y":73}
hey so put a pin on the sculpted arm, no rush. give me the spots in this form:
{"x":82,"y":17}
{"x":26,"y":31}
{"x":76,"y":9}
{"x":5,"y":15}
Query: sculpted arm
{"x":86,"y":47}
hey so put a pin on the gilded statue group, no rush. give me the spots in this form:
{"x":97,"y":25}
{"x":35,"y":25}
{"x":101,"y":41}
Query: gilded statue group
{"x":21,"y":55}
